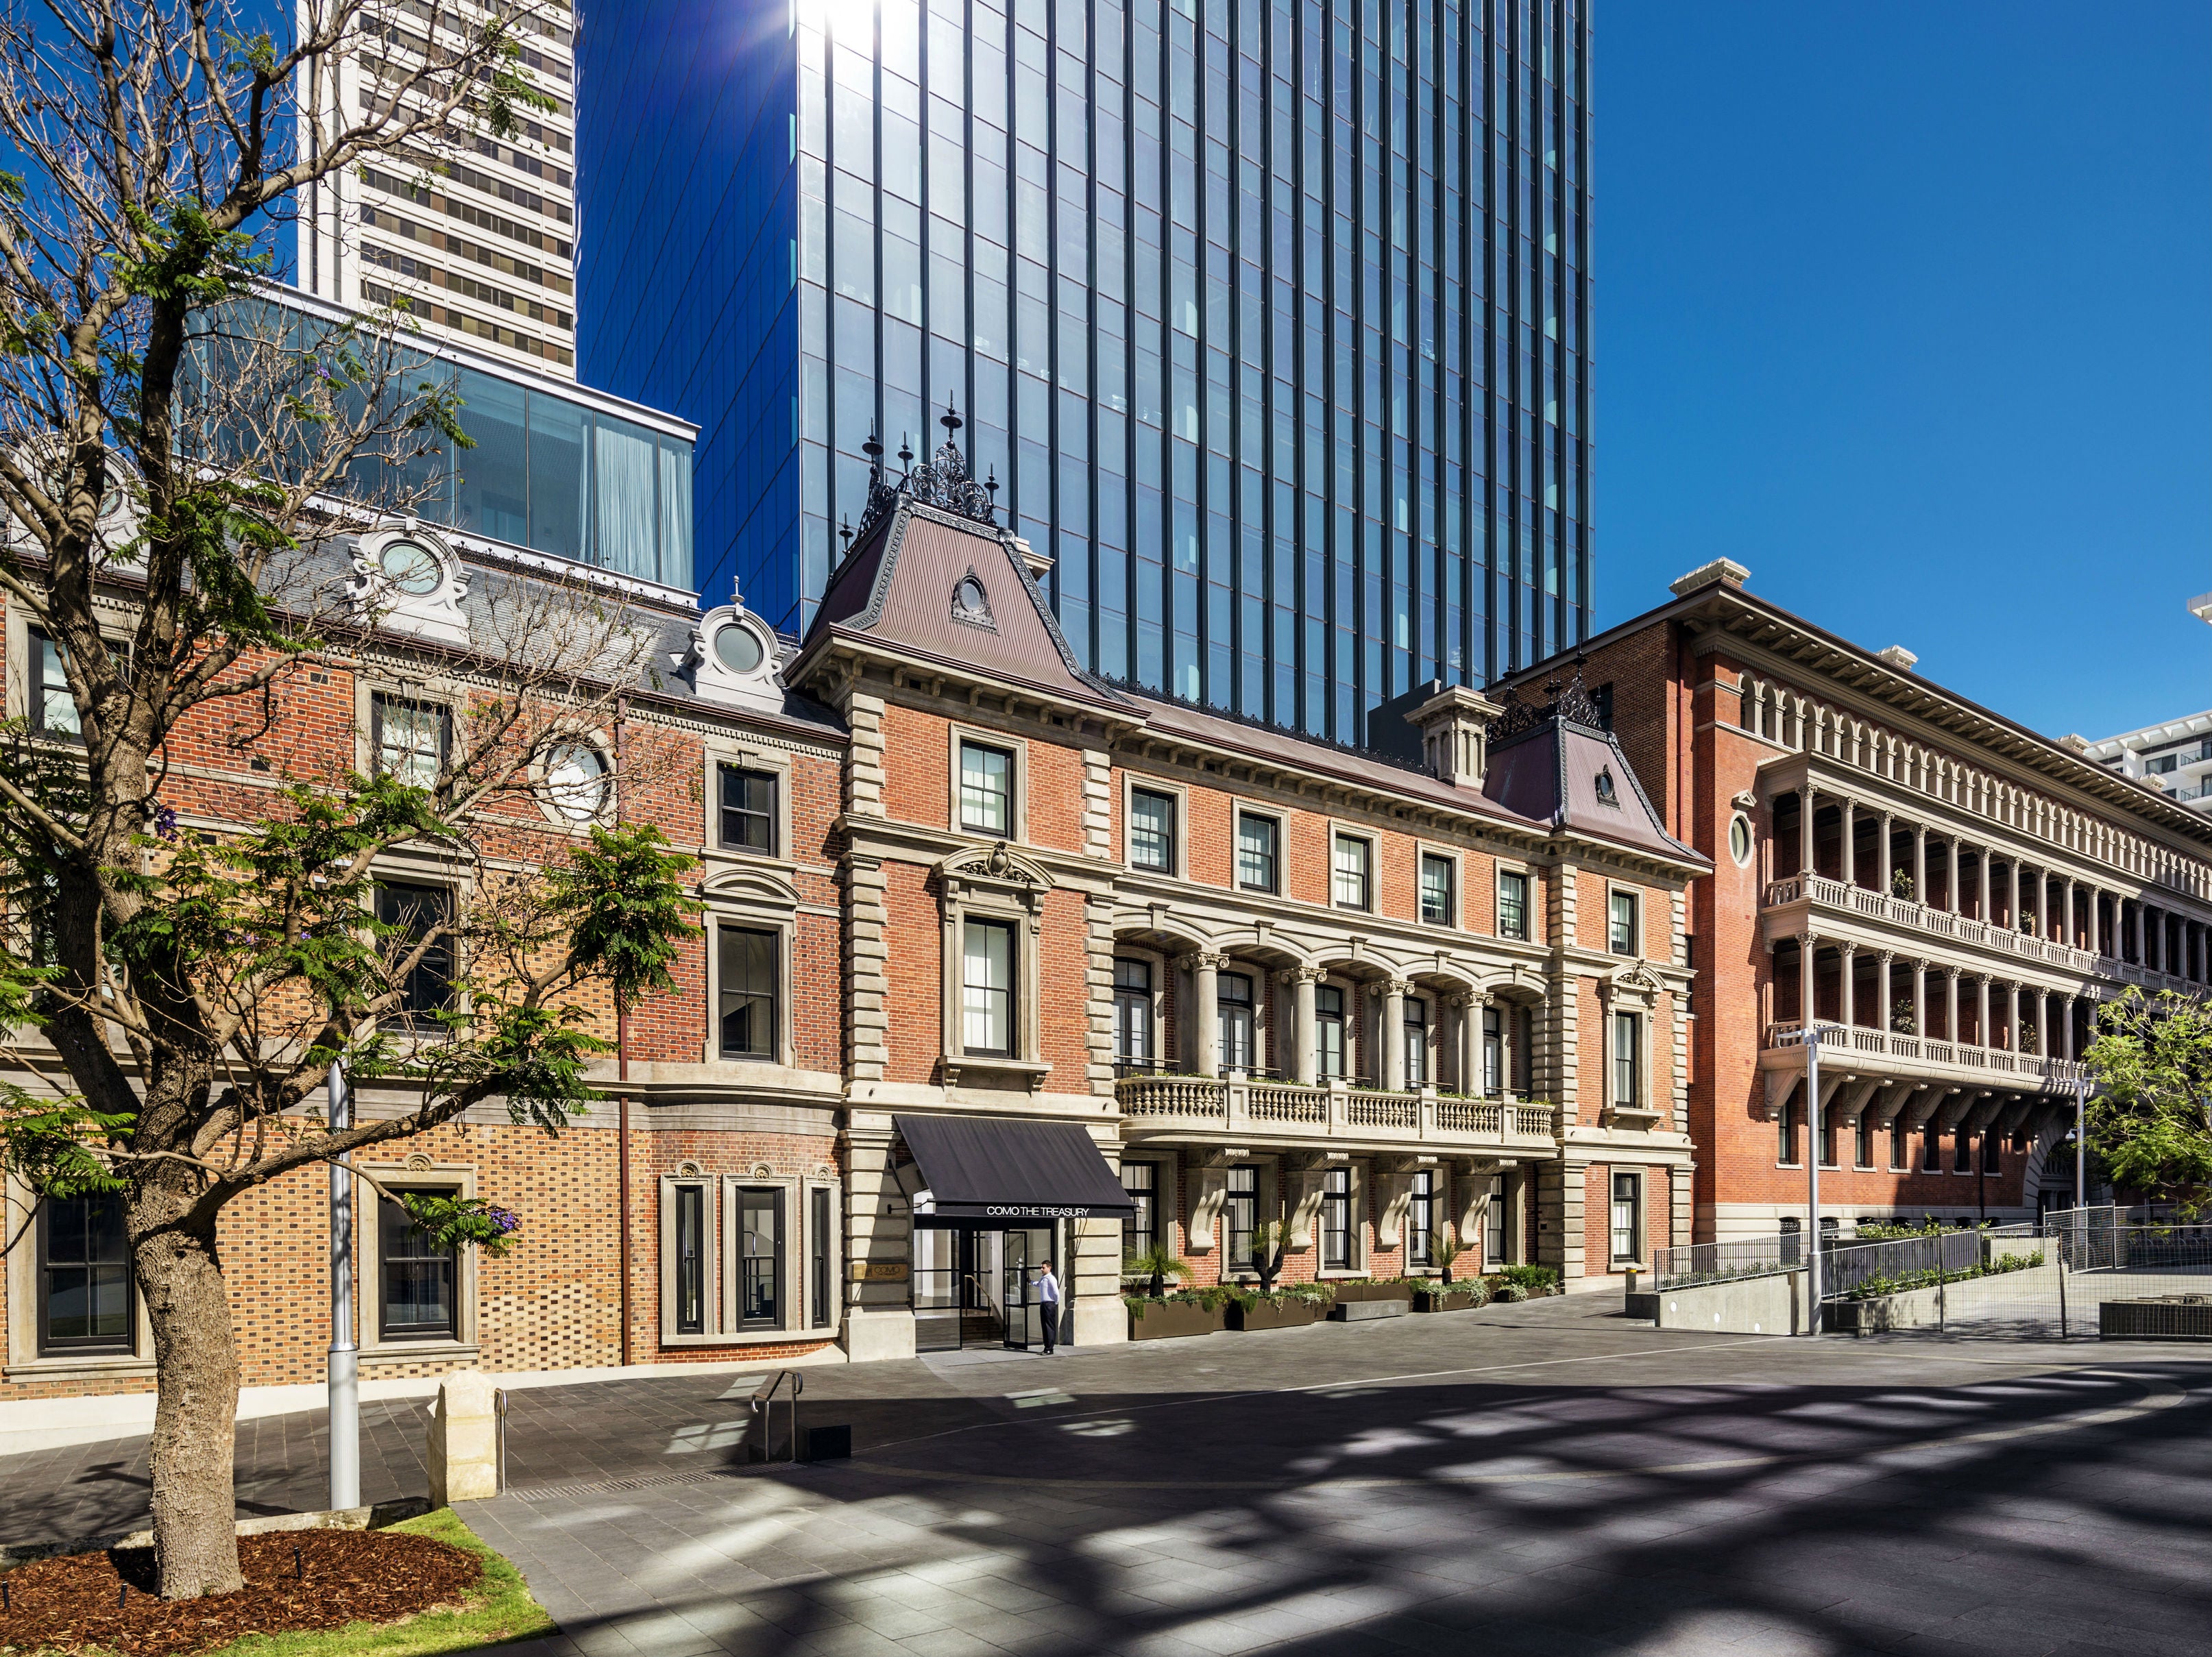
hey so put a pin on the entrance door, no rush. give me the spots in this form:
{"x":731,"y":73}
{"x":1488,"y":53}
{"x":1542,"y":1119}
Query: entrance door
{"x":1026,"y":1251}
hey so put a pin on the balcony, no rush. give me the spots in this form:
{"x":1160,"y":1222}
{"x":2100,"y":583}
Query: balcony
{"x":1269,"y":1112}
{"x":1821,"y":893}
{"x":1923,"y":1058}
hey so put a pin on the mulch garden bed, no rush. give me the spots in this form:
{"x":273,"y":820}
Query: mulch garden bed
{"x":107,"y":1600}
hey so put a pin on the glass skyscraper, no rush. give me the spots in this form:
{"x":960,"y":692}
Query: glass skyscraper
{"x":1271,"y":316}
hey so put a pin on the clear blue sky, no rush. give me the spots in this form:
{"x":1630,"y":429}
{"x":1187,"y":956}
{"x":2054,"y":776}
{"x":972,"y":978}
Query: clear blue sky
{"x":1908,"y":307}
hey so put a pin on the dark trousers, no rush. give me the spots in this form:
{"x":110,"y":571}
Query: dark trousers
{"x":1048,"y":1320}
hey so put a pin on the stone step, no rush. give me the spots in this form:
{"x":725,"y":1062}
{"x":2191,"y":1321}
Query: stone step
{"x":1360,"y":1311}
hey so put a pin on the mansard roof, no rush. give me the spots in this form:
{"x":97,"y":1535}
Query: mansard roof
{"x":1556,"y":764}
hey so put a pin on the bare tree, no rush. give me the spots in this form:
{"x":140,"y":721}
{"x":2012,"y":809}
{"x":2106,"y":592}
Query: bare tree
{"x":175,"y":443}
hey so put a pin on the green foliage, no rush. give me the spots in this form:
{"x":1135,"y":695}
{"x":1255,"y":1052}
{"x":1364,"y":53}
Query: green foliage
{"x":1212,"y":1298}
{"x":1898,"y":1282}
{"x":2149,"y":1126}
{"x":1156,"y":1265}
{"x":1531,"y":1279}
{"x":622,"y":900}
{"x":1312,"y":1294}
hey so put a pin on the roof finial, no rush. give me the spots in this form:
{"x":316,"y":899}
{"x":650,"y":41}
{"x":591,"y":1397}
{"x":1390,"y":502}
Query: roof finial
{"x":949,"y":420}
{"x":847,"y":531}
{"x":906,"y":450}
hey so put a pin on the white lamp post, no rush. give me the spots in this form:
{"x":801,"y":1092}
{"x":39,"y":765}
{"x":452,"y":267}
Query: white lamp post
{"x":1809,"y":1038}
{"x":343,"y":1366}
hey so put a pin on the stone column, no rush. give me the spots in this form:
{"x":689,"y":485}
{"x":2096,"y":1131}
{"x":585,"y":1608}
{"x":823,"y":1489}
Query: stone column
{"x":1881,"y":989}
{"x":1205,"y":1011}
{"x":1851,"y":843}
{"x":2139,"y":956}
{"x":2042,"y":1024}
{"x":1805,"y":807}
{"x":1950,"y":1003}
{"x":1304,"y":1061}
{"x":1807,"y":959}
{"x":2012,"y":1017}
{"x":1920,"y":998}
{"x":1982,"y":1012}
{"x":1469,"y":1062}
{"x":2012,"y":882}
{"x":1888,"y":827}
{"x":1982,"y":884}
{"x":2068,"y":935}
{"x":1391,"y":1073}
{"x":1951,"y":875}
{"x":2066,"y":1027}
{"x":1847,"y":957}
{"x":1920,"y":863}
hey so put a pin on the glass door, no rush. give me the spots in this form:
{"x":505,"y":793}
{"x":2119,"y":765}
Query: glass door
{"x":1022,"y":1330}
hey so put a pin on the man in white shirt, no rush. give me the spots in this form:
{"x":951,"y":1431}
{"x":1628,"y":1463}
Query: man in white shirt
{"x":1047,"y":1293}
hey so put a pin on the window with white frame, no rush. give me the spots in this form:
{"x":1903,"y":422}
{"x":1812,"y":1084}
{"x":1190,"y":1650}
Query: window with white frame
{"x":1421,"y":1218}
{"x":1512,"y":904}
{"x":409,"y":739}
{"x":578,"y":781}
{"x":1627,"y":1217}
{"x":1233,"y":1002}
{"x":1351,"y":878}
{"x":986,"y":988}
{"x":1328,"y":1031}
{"x":986,"y":789}
{"x":1258,"y":842}
{"x":1151,"y":830}
{"x":1133,"y":1014}
{"x":746,"y":810}
{"x":50,"y":708}
{"x":1335,"y":1219}
{"x":1623,"y":928}
{"x":1417,"y":1041}
{"x":1439,"y":890}
{"x":750,"y":968}
{"x":1627,"y":1059}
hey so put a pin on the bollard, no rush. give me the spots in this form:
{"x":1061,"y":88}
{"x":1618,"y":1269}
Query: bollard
{"x":464,"y":1449}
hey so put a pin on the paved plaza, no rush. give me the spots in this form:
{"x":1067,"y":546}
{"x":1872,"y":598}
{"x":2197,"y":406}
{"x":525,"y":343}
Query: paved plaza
{"x":1540,"y":1478}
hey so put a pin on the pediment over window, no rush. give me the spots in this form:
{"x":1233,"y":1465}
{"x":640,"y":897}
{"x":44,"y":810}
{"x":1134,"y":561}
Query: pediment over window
{"x":753,"y":886}
{"x":1635,"y":984}
{"x":996,"y":864}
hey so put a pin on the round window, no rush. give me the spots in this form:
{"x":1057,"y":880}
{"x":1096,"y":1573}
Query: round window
{"x":1739,"y":839}
{"x":576,"y":781}
{"x":413,"y":569}
{"x":737,"y":648}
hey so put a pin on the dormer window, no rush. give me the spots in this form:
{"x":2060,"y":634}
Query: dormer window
{"x":411,"y":567}
{"x":1607,"y":794}
{"x":970,"y":603}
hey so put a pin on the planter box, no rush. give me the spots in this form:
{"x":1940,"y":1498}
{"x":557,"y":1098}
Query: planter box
{"x":2156,"y":1317}
{"x":1354,"y":1290}
{"x":1443,"y":1300}
{"x":1362,"y":1310}
{"x":1279,"y":1314}
{"x":1170,"y":1318}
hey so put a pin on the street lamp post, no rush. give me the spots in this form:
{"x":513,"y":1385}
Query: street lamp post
{"x":2080,"y":1142}
{"x":1809,"y":1039}
{"x":343,"y":1366}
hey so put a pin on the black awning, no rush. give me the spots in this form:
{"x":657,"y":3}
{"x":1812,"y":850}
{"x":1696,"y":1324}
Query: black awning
{"x":977,"y":1168}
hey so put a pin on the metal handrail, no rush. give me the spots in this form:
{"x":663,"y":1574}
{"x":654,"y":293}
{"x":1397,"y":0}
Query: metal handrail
{"x":764,"y":1399}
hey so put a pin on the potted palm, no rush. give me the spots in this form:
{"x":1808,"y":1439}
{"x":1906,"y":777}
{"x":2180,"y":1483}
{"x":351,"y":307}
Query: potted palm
{"x":1443,"y":1296}
{"x":1156,"y":1265}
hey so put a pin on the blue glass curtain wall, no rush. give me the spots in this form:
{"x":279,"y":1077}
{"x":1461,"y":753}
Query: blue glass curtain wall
{"x":1272,"y":316}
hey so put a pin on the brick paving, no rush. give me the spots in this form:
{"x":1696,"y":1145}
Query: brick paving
{"x":1539,"y":1478}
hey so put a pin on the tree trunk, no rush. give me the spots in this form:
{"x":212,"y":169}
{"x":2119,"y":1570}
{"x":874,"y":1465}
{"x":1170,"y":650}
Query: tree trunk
{"x":196,"y":1369}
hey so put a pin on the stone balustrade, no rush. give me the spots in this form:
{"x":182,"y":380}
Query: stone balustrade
{"x":1277,"y":1110}
{"x":1991,"y":1066}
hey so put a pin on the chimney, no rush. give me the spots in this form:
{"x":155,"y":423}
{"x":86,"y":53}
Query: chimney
{"x":1898,"y":656}
{"x":1454,"y":727}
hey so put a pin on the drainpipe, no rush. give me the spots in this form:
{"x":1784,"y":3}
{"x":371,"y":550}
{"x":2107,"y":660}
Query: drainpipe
{"x":621,"y":1079}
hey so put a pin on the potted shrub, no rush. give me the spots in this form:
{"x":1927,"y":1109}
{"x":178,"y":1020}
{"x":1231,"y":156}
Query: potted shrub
{"x":1521,"y":1282}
